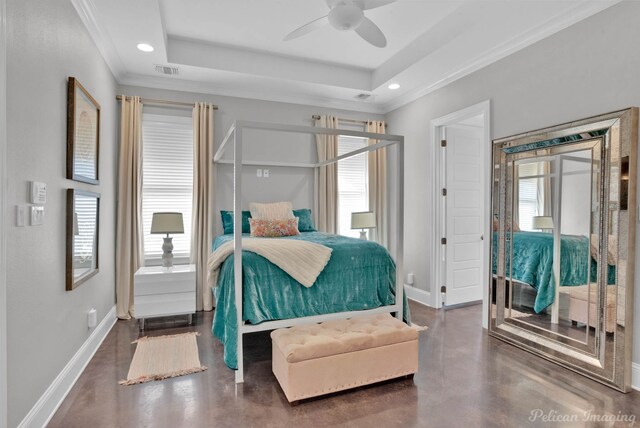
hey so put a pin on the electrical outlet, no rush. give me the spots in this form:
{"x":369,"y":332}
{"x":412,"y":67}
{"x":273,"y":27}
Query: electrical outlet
{"x":259,"y":173}
{"x":265,"y":173}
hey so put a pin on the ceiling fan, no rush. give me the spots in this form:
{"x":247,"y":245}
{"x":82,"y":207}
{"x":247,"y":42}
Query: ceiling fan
{"x":348,"y":15}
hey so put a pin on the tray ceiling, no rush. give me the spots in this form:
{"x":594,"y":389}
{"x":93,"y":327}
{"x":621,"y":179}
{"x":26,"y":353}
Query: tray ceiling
{"x":232,"y":47}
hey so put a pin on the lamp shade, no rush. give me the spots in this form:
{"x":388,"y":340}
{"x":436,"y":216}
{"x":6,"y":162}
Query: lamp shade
{"x":542,"y":222}
{"x":167,"y":223}
{"x":363,"y":220}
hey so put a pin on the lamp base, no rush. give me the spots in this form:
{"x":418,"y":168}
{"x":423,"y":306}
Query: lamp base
{"x":167,"y":252}
{"x":363,"y":235}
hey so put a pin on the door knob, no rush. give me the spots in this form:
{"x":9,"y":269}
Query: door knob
{"x":482,"y":237}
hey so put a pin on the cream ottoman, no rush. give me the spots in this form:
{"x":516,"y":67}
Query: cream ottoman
{"x":578,"y":306}
{"x":317,"y":359}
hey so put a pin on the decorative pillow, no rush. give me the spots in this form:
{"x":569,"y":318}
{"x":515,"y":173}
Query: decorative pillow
{"x":305,"y":220}
{"x":227,"y":221}
{"x":273,"y":228}
{"x":274,"y":211}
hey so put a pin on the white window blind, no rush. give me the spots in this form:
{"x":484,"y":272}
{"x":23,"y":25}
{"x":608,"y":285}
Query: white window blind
{"x":528,"y":195}
{"x":84,"y":230}
{"x":352,"y":183}
{"x":167,"y":180}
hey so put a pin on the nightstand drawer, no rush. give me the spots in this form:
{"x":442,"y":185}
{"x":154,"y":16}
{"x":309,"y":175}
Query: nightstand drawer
{"x":165,"y":304}
{"x":163,"y":284}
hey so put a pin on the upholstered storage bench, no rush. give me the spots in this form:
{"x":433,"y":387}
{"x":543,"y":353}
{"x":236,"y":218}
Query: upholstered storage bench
{"x":578,"y":306}
{"x":317,"y":359}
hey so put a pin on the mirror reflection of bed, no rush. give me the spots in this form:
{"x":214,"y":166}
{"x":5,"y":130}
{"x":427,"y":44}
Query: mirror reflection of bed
{"x":554,"y":240}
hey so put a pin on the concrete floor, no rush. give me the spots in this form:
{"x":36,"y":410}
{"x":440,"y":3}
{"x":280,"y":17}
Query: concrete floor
{"x":466,"y":379}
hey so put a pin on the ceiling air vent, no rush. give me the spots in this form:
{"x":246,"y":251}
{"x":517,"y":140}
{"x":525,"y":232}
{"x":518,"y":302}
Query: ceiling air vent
{"x":362,"y":97}
{"x":166,"y":69}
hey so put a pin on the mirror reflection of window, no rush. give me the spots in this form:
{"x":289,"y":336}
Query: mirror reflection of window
{"x":533,"y":193}
{"x":84,"y":234}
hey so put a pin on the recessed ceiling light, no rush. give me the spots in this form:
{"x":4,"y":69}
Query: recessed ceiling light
{"x":144,"y":47}
{"x":394,"y":86}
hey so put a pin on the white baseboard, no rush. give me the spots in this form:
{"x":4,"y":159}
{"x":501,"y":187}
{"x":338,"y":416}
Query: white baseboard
{"x":46,"y":406}
{"x":635,"y":376}
{"x":418,"y":295}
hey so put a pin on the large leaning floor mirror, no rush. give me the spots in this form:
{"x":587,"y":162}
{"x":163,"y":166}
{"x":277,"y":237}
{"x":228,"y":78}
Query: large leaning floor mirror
{"x":564,"y":207}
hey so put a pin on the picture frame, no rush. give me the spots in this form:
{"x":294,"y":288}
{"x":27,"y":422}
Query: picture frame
{"x":83,"y":134}
{"x":82,"y":236}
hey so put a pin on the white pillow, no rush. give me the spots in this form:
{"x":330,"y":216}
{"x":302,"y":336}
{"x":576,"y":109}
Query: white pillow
{"x":273,"y":211}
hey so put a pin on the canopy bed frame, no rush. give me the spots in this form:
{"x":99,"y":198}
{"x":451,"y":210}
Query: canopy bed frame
{"x":234,"y":140}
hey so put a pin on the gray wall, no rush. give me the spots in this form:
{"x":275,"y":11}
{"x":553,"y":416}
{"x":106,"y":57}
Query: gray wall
{"x":47,"y":325}
{"x":285,"y":183}
{"x":585,"y":70}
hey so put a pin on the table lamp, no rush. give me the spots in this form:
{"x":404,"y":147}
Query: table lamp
{"x":542,"y":222}
{"x":363,"y":220}
{"x":167,"y":223}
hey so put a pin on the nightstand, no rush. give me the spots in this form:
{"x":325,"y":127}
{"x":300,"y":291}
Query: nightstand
{"x":160,"y":292}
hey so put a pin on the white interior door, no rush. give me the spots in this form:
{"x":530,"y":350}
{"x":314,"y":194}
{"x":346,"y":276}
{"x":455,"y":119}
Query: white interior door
{"x":464,"y":214}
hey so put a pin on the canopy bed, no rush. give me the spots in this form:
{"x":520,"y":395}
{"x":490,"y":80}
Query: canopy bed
{"x":359,"y":279}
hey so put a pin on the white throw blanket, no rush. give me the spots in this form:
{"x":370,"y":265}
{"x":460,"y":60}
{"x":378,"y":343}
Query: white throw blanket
{"x":303,"y":260}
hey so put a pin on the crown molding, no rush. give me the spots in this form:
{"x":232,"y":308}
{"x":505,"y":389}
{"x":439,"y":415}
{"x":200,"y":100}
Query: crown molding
{"x":238,"y":92}
{"x":87,"y":11}
{"x":527,"y":38}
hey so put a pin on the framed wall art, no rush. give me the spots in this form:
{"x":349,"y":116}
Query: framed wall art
{"x":83,"y":227}
{"x":83,"y":134}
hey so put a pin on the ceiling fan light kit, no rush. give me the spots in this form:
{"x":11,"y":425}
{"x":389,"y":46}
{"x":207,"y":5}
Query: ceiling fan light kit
{"x":345,"y":15}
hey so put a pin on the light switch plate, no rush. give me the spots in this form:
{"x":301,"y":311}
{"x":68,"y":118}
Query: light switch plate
{"x":259,"y":173}
{"x":20,"y":215}
{"x":37,"y":215}
{"x":265,"y":173}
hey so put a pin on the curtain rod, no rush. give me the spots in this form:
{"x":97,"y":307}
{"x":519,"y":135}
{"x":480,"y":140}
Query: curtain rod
{"x":165,"y":102}
{"x":340,"y":119}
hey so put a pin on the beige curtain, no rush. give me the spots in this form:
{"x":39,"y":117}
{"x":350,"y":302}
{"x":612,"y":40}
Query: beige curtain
{"x":129,"y":234}
{"x":327,"y":146}
{"x":202,"y":214}
{"x":378,"y":200}
{"x":544,"y":189}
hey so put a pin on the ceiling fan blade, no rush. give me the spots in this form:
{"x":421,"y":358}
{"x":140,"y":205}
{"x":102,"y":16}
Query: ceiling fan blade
{"x":371,"y":4}
{"x":307,"y":28}
{"x":371,"y":33}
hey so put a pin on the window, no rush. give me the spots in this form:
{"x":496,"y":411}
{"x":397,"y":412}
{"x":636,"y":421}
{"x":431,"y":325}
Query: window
{"x":167,"y":180}
{"x":528,"y":188}
{"x":532,"y":178}
{"x":352,"y":183}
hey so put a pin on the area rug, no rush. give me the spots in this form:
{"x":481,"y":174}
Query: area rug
{"x":162,"y":357}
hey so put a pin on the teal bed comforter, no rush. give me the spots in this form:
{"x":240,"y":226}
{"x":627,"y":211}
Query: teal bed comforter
{"x":533,"y":263}
{"x":360,"y":275}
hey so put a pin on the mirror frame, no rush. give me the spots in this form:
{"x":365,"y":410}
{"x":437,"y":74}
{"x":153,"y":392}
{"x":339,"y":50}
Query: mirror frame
{"x":71,"y":281}
{"x":619,"y":129}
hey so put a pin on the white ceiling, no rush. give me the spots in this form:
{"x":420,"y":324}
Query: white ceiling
{"x":235,"y":47}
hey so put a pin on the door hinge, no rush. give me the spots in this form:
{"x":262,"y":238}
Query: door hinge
{"x":443,"y":143}
{"x":444,"y":192}
{"x":443,"y":241}
{"x":443,"y":289}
